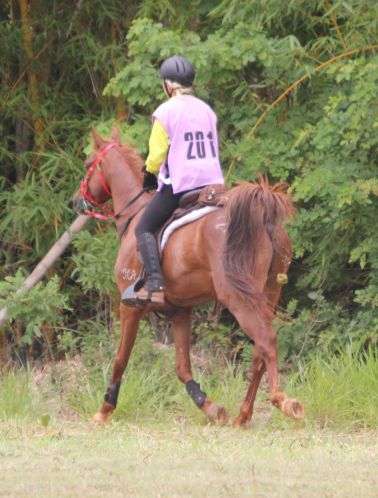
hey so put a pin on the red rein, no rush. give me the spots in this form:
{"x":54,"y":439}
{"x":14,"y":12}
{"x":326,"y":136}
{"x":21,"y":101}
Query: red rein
{"x":106,"y":213}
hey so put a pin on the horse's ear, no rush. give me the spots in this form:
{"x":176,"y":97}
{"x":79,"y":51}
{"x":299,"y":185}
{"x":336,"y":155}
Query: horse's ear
{"x":116,"y":134}
{"x":98,"y":140}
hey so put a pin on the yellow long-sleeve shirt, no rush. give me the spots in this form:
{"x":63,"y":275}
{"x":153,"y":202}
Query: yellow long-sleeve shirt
{"x":158,"y":147}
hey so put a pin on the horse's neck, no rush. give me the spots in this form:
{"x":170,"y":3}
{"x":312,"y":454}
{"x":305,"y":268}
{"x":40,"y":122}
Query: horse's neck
{"x":124,"y":184}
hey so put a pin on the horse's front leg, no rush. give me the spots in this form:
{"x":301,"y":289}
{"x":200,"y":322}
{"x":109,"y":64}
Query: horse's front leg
{"x":182,"y":330}
{"x":130,"y":318}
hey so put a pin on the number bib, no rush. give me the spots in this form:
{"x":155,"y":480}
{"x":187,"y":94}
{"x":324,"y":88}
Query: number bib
{"x":192,"y":160}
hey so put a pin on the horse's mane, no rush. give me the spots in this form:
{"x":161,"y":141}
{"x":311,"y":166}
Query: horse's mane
{"x":131,"y":155}
{"x":134,"y":160}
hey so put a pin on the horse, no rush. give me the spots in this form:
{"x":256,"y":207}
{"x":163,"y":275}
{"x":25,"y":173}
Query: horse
{"x":238,"y":255}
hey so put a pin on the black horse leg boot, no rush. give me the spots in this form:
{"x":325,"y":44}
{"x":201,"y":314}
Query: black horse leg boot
{"x":153,"y":289}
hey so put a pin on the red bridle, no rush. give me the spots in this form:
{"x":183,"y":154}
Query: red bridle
{"x":107,"y":213}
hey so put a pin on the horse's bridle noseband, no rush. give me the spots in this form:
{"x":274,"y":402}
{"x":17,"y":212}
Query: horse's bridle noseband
{"x":105,"y":214}
{"x":84,"y":191}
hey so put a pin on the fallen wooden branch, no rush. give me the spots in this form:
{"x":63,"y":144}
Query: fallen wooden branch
{"x":57,"y":250}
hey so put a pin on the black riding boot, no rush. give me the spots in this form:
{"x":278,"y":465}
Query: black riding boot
{"x":153,"y":288}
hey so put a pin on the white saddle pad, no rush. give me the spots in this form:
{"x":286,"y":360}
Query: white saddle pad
{"x":184,"y":220}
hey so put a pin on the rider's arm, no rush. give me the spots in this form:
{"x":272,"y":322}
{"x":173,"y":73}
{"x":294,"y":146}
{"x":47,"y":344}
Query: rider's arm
{"x":158,"y":147}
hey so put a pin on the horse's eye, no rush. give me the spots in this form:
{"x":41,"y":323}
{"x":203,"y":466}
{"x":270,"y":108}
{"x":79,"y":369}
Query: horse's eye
{"x":89,"y":161}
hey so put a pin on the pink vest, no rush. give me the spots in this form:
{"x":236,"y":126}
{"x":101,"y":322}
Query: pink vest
{"x":192,"y":159}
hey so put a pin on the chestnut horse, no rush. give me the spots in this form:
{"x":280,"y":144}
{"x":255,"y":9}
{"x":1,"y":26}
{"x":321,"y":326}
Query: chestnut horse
{"x":233,"y":255}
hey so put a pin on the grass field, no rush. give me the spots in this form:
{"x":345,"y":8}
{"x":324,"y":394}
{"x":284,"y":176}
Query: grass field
{"x":160,"y":445}
{"x":182,"y":459}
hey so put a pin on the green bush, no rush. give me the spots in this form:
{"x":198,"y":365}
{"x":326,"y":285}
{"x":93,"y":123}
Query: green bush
{"x":321,"y":139}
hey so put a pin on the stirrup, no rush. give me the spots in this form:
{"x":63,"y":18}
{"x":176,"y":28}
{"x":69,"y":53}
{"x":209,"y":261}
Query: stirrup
{"x":136,"y":296}
{"x":146,"y":296}
{"x":128,"y":296}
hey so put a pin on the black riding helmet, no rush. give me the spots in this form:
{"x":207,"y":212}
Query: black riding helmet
{"x":178,"y":69}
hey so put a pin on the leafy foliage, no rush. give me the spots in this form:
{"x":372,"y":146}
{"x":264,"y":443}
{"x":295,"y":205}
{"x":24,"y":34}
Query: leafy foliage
{"x":41,"y":304}
{"x":93,"y":64}
{"x":94,"y":261}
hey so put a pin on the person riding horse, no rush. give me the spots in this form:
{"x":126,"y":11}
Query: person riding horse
{"x":183,"y":151}
{"x":236,"y":255}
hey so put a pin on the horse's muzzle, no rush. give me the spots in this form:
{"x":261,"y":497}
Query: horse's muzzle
{"x":81,"y":205}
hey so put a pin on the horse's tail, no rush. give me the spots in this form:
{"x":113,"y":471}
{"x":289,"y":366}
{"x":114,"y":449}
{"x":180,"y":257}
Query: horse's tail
{"x":253,"y":209}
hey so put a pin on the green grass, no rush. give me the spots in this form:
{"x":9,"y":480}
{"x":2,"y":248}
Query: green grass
{"x":340,"y":393}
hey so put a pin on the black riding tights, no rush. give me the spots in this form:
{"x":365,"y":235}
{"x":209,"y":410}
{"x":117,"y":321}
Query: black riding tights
{"x":158,"y":211}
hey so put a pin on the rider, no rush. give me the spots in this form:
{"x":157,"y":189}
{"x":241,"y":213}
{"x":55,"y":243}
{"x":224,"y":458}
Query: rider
{"x":183,"y":150}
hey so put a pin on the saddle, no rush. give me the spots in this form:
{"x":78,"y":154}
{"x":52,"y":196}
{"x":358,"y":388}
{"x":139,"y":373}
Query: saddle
{"x":211,"y":195}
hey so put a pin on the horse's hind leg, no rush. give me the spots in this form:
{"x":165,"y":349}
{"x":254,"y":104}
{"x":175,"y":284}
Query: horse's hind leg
{"x":246,"y":410}
{"x":130,"y":318}
{"x":256,"y":327}
{"x":273,"y":291}
{"x":182,"y":329}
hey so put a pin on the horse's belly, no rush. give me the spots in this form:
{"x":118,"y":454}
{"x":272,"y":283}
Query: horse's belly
{"x":195,"y":287}
{"x":188,"y":264}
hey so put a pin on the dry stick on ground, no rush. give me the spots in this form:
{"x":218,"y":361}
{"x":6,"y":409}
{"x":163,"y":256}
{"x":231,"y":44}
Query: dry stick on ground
{"x":57,"y":250}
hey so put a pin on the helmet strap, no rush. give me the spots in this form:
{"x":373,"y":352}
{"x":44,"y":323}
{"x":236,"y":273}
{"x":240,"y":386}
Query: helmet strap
{"x":167,"y":88}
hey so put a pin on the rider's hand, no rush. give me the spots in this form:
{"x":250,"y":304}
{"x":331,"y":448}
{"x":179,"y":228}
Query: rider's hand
{"x":149,"y":180}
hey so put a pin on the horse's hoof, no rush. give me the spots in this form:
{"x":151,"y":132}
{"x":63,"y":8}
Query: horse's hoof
{"x":216,"y":413}
{"x":293,"y":409}
{"x":100,"y":419}
{"x":241,"y":423}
